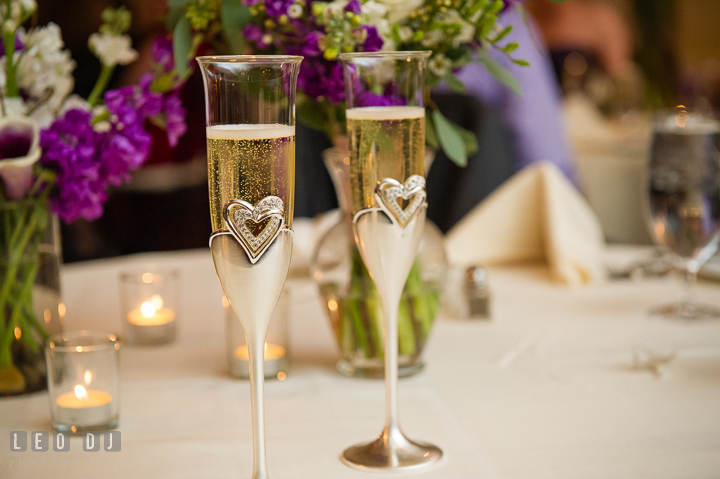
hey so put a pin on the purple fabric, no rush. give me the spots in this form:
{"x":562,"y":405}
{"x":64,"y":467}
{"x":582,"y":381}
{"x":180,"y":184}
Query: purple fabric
{"x":535,"y":118}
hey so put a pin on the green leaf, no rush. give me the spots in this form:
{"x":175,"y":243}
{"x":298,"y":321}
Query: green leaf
{"x":182,"y":44}
{"x":430,"y":135}
{"x":522,"y":63}
{"x":234,"y":17}
{"x":510,"y":47}
{"x":500,"y":73}
{"x":173,"y":17}
{"x":177,"y":3}
{"x":469,"y":139}
{"x":503,"y":33}
{"x":452,"y":81}
{"x":450,"y":139}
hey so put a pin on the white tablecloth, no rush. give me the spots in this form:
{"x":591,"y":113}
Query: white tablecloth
{"x":547,"y":389}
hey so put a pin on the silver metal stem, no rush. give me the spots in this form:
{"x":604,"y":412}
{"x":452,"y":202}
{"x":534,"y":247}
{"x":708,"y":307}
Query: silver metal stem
{"x":388,"y":247}
{"x":256,"y":356}
{"x":253,"y":289}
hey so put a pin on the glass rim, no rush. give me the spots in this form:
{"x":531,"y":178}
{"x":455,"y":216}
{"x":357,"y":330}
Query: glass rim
{"x":109,"y":341}
{"x":136,"y":275}
{"x":259,"y":59}
{"x":418,"y":54}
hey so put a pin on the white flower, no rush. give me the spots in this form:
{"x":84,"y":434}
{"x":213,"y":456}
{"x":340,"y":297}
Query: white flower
{"x":112,"y":49}
{"x":374,"y":12}
{"x":432,"y":38}
{"x":335,"y":7}
{"x":9,"y":26}
{"x":399,"y":10}
{"x":467,"y":30}
{"x":44,"y":68}
{"x":405,"y":33}
{"x":439,"y":64}
{"x":295,"y":11}
{"x":74,"y":102}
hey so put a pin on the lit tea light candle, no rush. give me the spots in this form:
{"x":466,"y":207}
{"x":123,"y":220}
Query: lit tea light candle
{"x":151,"y":313}
{"x":152,"y":323}
{"x":82,"y":407}
{"x":275,"y":361}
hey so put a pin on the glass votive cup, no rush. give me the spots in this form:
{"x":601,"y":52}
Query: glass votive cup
{"x":149,"y":302}
{"x":83,"y":380}
{"x":277,"y":352}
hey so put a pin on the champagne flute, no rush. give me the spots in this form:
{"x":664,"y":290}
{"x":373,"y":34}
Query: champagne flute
{"x":684,"y":191}
{"x":386,"y":129}
{"x":250,"y":112}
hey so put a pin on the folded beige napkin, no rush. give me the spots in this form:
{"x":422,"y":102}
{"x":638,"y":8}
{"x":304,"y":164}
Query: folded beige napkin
{"x":537,"y":215}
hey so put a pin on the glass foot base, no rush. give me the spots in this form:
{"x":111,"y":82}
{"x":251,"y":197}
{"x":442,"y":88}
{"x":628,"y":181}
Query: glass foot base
{"x":391,"y":452}
{"x":376,"y":369}
{"x":686,"y":312}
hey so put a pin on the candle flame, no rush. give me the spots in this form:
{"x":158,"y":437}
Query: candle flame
{"x":147,"y":309}
{"x":88,"y":377}
{"x":157,"y":301}
{"x":81,"y":393}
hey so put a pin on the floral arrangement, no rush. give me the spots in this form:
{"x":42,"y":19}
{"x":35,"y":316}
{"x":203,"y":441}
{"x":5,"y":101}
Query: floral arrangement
{"x":61,"y":153}
{"x":456,"y":31}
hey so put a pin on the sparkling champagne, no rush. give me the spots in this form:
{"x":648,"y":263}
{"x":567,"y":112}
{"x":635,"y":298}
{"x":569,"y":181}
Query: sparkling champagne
{"x":250,"y":162}
{"x":385,"y":142}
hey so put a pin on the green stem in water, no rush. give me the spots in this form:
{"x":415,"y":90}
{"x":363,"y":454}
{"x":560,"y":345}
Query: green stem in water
{"x":100,"y":85}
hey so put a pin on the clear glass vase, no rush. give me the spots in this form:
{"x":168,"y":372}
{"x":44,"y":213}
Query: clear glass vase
{"x":30,"y":306}
{"x":352,"y":302}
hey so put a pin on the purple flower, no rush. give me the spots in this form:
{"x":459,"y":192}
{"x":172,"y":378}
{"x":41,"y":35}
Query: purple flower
{"x":367,"y":98}
{"x":277,"y":8}
{"x":373,"y":41}
{"x":70,"y":147}
{"x":143,"y":101}
{"x":19,"y":45}
{"x":175,"y":125}
{"x":353,"y":6}
{"x":18,"y":152}
{"x":161,"y":52}
{"x":252,"y":33}
{"x":311,"y":48}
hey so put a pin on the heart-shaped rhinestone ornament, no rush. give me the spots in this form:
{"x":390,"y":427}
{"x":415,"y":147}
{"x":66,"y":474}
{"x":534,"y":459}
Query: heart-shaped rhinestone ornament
{"x":238,"y":212}
{"x":388,"y":192}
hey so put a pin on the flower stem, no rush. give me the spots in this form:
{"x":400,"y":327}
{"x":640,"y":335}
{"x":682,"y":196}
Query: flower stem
{"x":11,"y":89}
{"x":100,"y":85}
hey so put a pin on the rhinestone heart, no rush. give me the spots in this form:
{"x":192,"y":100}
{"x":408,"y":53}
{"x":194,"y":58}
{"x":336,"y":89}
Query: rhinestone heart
{"x":389,"y":191}
{"x":237,"y":213}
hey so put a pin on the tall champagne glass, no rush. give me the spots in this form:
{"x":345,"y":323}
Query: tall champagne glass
{"x":386,"y":130}
{"x":250,"y":111}
{"x":684,"y":190}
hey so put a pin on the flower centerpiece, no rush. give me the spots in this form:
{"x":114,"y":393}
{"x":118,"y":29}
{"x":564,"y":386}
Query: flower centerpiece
{"x":60,"y":155}
{"x":456,"y":32}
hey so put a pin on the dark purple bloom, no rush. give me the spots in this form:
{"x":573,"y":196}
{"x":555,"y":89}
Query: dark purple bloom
{"x":353,"y":6}
{"x":311,"y":48}
{"x":321,"y":78}
{"x":175,"y":125}
{"x":70,"y":147}
{"x":18,"y":153}
{"x":252,"y":33}
{"x":277,"y":8}
{"x":373,"y":41}
{"x":367,"y":98}
{"x":162,"y":54}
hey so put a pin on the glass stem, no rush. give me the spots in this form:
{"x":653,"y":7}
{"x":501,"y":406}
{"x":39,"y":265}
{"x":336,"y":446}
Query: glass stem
{"x":687,"y":300}
{"x":256,"y":356}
